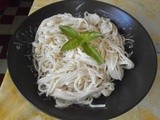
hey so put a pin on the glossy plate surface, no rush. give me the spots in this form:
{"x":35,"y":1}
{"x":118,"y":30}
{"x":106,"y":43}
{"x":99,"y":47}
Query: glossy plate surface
{"x":128,"y":92}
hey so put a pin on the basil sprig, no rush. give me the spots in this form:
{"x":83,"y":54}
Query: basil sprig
{"x":77,"y":39}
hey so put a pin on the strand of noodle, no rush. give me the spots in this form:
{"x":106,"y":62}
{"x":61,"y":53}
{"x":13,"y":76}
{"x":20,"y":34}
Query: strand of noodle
{"x":97,"y":106}
{"x":76,"y":84}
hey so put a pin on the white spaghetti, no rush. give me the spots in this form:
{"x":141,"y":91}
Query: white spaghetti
{"x":73,"y":77}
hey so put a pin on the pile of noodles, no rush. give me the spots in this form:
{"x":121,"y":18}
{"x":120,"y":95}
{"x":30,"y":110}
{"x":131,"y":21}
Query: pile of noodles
{"x":73,"y":77}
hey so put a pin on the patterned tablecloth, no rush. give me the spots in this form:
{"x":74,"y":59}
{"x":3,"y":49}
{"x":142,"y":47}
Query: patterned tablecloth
{"x":13,"y":106}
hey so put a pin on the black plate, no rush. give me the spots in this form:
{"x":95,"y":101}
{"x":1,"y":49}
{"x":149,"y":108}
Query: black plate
{"x":128,"y":93}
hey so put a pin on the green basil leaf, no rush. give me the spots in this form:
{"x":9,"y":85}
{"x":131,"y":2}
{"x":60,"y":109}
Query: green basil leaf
{"x":89,"y":35}
{"x":68,"y":31}
{"x":71,"y":44}
{"x":81,"y":40}
{"x":92,"y":52}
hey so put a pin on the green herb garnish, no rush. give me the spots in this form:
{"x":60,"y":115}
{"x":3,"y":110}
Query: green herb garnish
{"x":90,"y":50}
{"x":82,"y":40}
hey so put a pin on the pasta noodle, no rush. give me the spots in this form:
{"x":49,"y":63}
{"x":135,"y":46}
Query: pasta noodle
{"x":73,"y":77}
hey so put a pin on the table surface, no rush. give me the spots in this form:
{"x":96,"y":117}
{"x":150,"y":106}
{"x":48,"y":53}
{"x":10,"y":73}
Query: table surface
{"x":15,"y":107}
